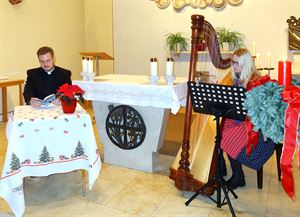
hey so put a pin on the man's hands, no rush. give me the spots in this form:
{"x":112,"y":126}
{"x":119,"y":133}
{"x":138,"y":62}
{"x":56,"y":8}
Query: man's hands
{"x":35,"y":102}
{"x":56,"y":102}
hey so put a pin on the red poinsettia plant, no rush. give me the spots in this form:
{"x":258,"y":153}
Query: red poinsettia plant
{"x":70,"y":92}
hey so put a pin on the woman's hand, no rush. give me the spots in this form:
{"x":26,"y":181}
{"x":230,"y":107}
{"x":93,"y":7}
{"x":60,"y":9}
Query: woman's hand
{"x":213,"y":80}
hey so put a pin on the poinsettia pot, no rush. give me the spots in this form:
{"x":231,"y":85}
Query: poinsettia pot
{"x":68,"y":107}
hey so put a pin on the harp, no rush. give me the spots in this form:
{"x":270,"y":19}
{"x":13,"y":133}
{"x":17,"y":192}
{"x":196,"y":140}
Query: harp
{"x":194,"y":163}
{"x":294,"y":43}
{"x":294,"y":33}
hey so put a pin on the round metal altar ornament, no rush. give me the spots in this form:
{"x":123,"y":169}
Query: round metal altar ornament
{"x":125,"y":127}
{"x":162,"y":3}
{"x":235,"y":2}
{"x":202,"y":4}
{"x":219,"y":4}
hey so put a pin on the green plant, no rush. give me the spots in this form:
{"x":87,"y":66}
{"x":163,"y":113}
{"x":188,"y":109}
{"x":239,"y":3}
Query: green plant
{"x":69,"y":92}
{"x":235,"y":39}
{"x":175,"y":42}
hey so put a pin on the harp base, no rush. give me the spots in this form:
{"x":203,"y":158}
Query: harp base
{"x":184,"y":181}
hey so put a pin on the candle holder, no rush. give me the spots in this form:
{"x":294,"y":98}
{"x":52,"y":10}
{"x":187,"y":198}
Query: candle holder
{"x":153,"y":79}
{"x":86,"y":76}
{"x":170,"y":79}
{"x":253,"y":60}
{"x":269,"y":69}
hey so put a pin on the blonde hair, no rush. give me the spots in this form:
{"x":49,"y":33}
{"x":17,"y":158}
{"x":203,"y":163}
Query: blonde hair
{"x":246,"y":63}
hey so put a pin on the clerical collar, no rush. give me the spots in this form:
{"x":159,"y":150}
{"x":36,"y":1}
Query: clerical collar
{"x":50,"y":71}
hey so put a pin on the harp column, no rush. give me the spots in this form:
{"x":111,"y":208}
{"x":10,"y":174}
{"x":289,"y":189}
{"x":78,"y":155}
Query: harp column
{"x":184,"y":179}
{"x":294,"y":43}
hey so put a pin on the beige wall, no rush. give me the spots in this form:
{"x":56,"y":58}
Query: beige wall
{"x":1,"y":35}
{"x":71,"y":26}
{"x":99,"y":33}
{"x":33,"y":23}
{"x":68,"y":26}
{"x":139,"y":29}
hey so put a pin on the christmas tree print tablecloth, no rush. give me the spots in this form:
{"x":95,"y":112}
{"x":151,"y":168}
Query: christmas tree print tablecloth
{"x":46,"y":141}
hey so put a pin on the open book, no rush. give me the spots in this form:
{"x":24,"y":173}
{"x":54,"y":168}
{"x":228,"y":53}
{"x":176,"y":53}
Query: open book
{"x":48,"y":99}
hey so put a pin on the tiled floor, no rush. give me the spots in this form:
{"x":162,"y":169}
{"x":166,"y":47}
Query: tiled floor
{"x":121,"y":192}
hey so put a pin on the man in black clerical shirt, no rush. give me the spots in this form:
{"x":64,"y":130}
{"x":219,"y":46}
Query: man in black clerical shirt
{"x":44,"y":80}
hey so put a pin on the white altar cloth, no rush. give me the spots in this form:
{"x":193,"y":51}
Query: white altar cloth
{"x":135,"y":90}
{"x":44,"y":141}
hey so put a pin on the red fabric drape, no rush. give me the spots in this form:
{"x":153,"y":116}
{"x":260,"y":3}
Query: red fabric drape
{"x":291,"y":95}
{"x":252,"y":135}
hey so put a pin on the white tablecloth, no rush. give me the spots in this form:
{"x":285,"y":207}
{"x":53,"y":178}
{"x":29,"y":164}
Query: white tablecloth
{"x":135,"y":90}
{"x":45,"y":141}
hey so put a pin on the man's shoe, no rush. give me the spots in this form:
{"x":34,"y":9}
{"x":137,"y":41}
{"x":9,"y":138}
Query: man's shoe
{"x":235,"y":182}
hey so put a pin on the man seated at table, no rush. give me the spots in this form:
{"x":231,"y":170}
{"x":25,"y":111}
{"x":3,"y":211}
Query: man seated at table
{"x":44,"y":80}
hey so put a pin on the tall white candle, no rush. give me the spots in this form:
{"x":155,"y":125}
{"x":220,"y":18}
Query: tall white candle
{"x":253,"y":48}
{"x":257,"y":60}
{"x":84,"y":64}
{"x":284,"y":58}
{"x":90,"y":66}
{"x":259,"y":64}
{"x":269,"y":59}
{"x":153,"y":67}
{"x":169,"y":67}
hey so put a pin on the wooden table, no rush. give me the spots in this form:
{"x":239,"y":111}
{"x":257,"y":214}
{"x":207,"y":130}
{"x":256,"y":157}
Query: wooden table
{"x":4,"y":84}
{"x":45,"y":141}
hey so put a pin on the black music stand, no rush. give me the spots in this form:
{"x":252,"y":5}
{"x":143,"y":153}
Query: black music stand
{"x":220,"y":101}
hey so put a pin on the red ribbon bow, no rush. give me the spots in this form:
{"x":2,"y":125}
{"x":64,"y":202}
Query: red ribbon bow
{"x":259,"y":82}
{"x":252,"y":135}
{"x":291,"y":95}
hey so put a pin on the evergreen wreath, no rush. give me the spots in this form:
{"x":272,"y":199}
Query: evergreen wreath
{"x":266,"y":110}
{"x":296,"y":82}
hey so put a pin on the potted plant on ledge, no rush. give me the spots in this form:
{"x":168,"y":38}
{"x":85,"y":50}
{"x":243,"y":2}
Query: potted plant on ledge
{"x":176,"y":43}
{"x":228,"y":39}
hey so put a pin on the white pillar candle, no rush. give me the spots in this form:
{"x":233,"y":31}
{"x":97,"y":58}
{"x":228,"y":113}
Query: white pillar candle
{"x":284,"y":58}
{"x":258,"y":60}
{"x":253,"y":48}
{"x":169,"y":67}
{"x":259,"y":64}
{"x":153,"y":67}
{"x":84,"y":64}
{"x":269,"y":59}
{"x":90,"y":66}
